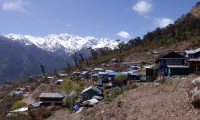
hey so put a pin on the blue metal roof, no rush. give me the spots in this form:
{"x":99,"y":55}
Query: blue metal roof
{"x":134,"y":73}
{"x":116,"y":73}
{"x":103,"y":73}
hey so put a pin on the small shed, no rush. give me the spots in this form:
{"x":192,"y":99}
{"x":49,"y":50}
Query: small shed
{"x":63,"y":75}
{"x":59,"y":81}
{"x":34,"y":105}
{"x":76,"y":73}
{"x":89,"y":92}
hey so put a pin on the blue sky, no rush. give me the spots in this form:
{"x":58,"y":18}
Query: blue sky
{"x":115,"y":19}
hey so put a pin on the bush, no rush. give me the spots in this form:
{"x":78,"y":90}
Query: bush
{"x":69,"y":102}
{"x":18,"y":104}
{"x":67,"y":85}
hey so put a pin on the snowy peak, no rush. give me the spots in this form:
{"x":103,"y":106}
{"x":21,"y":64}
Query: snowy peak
{"x":66,"y":42}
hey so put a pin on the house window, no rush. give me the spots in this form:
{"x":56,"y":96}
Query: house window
{"x":174,"y":62}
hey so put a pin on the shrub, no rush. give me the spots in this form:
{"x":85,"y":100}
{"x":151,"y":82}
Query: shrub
{"x":67,"y":85}
{"x":120,"y":78}
{"x":18,"y":104}
{"x":69,"y":102}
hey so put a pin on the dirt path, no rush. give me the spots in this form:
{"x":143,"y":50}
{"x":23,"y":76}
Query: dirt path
{"x":30,"y":98}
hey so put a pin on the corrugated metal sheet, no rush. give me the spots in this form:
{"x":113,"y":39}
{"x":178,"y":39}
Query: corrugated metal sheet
{"x":117,"y":73}
{"x":99,"y":69}
{"x":51,"y":95}
{"x":177,"y":66}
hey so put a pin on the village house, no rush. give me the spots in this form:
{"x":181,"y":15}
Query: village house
{"x":113,"y":63}
{"x":97,"y":70}
{"x":33,"y":105}
{"x":51,"y":98}
{"x":59,"y":81}
{"x":76,"y":73}
{"x":21,"y":90}
{"x":193,"y":60}
{"x":172,"y":64}
{"x":86,"y":74}
{"x":91,"y":91}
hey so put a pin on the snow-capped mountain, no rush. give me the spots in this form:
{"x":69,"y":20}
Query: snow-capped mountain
{"x":22,"y":55}
{"x":63,"y":42}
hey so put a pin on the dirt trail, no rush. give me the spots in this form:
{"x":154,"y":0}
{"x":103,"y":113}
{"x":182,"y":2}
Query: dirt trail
{"x":30,"y":98}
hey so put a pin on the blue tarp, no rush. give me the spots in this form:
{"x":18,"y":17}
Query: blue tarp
{"x":100,"y":81}
{"x":134,"y":74}
{"x":76,"y":107}
{"x":143,"y":77}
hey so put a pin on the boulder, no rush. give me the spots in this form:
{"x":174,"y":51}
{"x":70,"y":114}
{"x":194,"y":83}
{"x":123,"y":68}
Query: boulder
{"x":194,"y":93}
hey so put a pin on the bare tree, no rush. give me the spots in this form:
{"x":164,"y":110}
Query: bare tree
{"x":93,"y":52}
{"x":119,"y":46}
{"x":75,"y":58}
{"x":86,"y":59}
{"x":43,"y":70}
{"x":81,"y":58}
{"x":68,"y":67}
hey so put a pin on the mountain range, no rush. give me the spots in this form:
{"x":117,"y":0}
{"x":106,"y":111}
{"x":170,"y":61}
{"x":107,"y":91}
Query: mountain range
{"x":64,"y":43}
{"x":22,"y":55}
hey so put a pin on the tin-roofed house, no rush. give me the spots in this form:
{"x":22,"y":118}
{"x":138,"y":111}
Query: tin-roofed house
{"x":97,"y":70}
{"x":91,"y":91}
{"x":51,"y":98}
{"x":193,"y":60}
{"x":86,"y":74}
{"x":172,"y":64}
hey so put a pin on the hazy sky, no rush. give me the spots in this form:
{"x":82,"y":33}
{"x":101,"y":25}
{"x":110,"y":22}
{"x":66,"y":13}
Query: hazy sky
{"x":115,"y":19}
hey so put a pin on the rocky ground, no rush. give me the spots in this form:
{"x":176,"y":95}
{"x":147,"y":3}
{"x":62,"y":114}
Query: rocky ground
{"x":167,"y":101}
